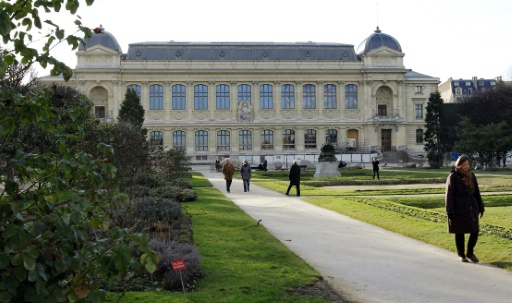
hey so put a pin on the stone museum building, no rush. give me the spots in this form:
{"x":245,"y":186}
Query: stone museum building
{"x":250,"y":100}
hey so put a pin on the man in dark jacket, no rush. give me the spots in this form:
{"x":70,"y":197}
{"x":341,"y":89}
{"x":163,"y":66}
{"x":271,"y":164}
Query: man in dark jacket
{"x":228,"y":170}
{"x":294,"y":177}
{"x":463,"y":206}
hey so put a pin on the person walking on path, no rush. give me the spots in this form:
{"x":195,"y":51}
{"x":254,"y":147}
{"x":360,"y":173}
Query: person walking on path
{"x":246,"y":172}
{"x":463,"y":206}
{"x":375,"y":164}
{"x":228,"y":170}
{"x":294,"y":177}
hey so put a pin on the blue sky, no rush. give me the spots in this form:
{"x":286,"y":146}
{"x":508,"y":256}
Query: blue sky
{"x":440,"y":38}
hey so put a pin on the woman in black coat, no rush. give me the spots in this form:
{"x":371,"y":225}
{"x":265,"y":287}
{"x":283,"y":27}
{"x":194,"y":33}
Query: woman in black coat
{"x":294,"y":177}
{"x":464,"y":206}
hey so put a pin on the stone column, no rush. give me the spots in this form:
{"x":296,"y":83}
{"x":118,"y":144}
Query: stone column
{"x":117,"y":97}
{"x":167,"y":100}
{"x":278,"y":139}
{"x":144,"y":98}
{"x":190,"y":100}
{"x":299,"y":139}
{"x":277,"y":100}
{"x":191,"y":140}
{"x":212,"y":106}
{"x":320,"y":99}
{"x":340,"y":101}
{"x":234,"y":133}
{"x":212,"y":140}
{"x":398,"y":101}
{"x":256,"y":139}
{"x":255,"y":100}
{"x":369,"y":107}
{"x":299,"y":108}
{"x":233,"y":101}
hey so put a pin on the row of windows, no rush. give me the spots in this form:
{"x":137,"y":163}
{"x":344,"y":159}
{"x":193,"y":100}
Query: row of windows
{"x":470,"y":83}
{"x":266,"y":97}
{"x":245,"y":139}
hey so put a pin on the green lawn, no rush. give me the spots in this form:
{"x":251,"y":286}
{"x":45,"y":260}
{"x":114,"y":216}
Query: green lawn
{"x":408,"y":212}
{"x":242,"y":261}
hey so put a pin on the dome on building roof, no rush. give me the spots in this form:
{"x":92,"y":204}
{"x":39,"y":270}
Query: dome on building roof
{"x":103,"y":38}
{"x":376,"y":40}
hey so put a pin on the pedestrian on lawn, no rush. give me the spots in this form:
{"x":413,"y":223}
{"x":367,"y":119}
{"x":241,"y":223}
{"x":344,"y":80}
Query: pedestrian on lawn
{"x":464,"y":207}
{"x":294,"y":177}
{"x":246,"y":172}
{"x":375,"y":164}
{"x":228,"y":170}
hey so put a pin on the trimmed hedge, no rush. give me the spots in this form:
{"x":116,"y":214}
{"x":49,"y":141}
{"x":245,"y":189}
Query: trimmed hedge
{"x":498,"y":231}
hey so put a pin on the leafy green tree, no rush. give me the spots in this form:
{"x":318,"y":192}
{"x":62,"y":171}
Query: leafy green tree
{"x":56,"y":242}
{"x":131,"y":151}
{"x":485,"y":143}
{"x":434,"y":133}
{"x":56,"y":239}
{"x":131,"y":110}
{"x":17,"y":19}
{"x":486,"y":108}
{"x":17,"y":76}
{"x":170,"y":163}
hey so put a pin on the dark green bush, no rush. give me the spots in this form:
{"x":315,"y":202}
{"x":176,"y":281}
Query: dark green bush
{"x":182,"y":183}
{"x":166,"y":191}
{"x":170,"y":251}
{"x":175,"y":193}
{"x":151,"y":180}
{"x":187,"y":195}
{"x":151,"y":210}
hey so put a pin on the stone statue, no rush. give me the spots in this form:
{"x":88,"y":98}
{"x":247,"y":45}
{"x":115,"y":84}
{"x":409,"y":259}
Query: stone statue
{"x":245,"y":111}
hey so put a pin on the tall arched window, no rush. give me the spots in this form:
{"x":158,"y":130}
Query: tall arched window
{"x":267,"y":139}
{"x":156,"y":97}
{"x":351,"y":96}
{"x":331,"y":136}
{"x":201,"y":97}
{"x":266,"y":96}
{"x":330,"y":96}
{"x":288,"y":96}
{"x":245,"y":139}
{"x":179,"y":139}
{"x":136,"y":88}
{"x":244,"y":92}
{"x":288,"y":139}
{"x":201,"y":143}
{"x":310,"y":138}
{"x":309,"y":96}
{"x":179,"y":100}
{"x":222,"y":96}
{"x":223,"y":139}
{"x":156,"y":138}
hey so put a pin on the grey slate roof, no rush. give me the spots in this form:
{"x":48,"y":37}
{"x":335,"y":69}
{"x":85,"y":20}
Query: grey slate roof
{"x":413,"y":74}
{"x":245,"y":51}
{"x":376,"y":40}
{"x":102,"y":38}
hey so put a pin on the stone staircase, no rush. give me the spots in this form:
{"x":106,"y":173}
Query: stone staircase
{"x":393,"y":158}
{"x":389,"y":157}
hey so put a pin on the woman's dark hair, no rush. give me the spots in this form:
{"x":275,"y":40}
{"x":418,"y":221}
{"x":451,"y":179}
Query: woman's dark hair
{"x":461,"y":160}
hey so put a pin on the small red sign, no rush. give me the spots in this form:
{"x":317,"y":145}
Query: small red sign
{"x":178,"y":265}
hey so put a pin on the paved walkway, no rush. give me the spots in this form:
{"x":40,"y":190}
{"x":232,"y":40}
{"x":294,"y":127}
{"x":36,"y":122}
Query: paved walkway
{"x":368,"y":264}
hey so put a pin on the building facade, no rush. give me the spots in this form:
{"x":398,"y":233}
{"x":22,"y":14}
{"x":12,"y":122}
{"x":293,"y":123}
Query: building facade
{"x":454,"y":90}
{"x":255,"y":100}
